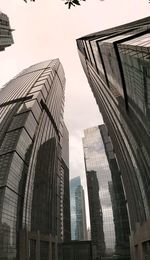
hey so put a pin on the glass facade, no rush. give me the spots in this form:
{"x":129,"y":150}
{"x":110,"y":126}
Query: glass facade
{"x":117,"y":65}
{"x":64,"y":187}
{"x":78,"y":215}
{"x":31,"y":158}
{"x":6,"y":38}
{"x":106,"y":198}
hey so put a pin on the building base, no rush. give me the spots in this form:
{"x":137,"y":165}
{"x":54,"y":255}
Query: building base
{"x":140,"y":242}
{"x":34,"y":245}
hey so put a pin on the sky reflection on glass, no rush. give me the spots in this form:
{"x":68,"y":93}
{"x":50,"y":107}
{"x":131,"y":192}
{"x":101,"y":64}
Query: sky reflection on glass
{"x":96,"y":160}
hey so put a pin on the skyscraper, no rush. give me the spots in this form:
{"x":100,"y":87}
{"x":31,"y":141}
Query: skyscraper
{"x":117,"y":65}
{"x":108,"y":213}
{"x":32,"y":162}
{"x":65,"y":198}
{"x":78,"y":215}
{"x":6,"y":38}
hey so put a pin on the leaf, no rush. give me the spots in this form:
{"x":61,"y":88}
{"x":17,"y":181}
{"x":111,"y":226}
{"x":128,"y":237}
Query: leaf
{"x":76,"y":2}
{"x":69,"y":4}
{"x":72,"y":2}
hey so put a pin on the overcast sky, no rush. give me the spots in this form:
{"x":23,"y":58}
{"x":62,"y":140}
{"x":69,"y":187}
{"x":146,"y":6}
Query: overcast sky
{"x":46,"y":29}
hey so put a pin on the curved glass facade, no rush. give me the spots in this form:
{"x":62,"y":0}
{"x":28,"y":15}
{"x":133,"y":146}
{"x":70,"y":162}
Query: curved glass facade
{"x":31,"y":108}
{"x":116,"y":62}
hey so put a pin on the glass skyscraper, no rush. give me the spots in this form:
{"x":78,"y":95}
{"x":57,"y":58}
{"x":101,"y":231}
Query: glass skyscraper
{"x":33,"y":164}
{"x":117,"y":65}
{"x":78,"y":214}
{"x":108,"y":214}
{"x":6,"y":38}
{"x":64,"y":188}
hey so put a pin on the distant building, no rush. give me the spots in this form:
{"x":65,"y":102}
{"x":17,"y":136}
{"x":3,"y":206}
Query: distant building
{"x":34,"y":164}
{"x":117,"y":64}
{"x":6,"y":38}
{"x":78,"y":214}
{"x":108,"y":213}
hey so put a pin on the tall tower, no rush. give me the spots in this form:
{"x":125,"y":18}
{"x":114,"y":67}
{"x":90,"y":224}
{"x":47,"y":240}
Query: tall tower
{"x":117,"y":65}
{"x":108,"y":213}
{"x":31,"y":161}
{"x":6,"y":38}
{"x":78,"y":214}
{"x":64,"y":191}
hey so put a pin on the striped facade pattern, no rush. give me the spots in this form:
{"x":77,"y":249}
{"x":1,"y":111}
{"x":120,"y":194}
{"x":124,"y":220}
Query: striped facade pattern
{"x":31,"y":132}
{"x":117,"y":64}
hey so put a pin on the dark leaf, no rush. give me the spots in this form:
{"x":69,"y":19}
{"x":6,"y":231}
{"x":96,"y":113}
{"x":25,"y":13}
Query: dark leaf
{"x":76,"y":2}
{"x":69,"y":4}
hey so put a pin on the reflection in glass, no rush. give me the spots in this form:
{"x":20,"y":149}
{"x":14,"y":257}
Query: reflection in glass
{"x":78,"y":217}
{"x":30,"y":159}
{"x":109,"y":227}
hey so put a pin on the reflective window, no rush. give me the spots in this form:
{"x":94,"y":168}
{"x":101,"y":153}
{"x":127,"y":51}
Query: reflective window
{"x":78,"y":217}
{"x":13,"y":172}
{"x":9,"y":219}
{"x":135,"y":59}
{"x":104,"y":212}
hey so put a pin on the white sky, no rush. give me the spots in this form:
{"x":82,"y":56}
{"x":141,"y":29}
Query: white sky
{"x":46,"y":29}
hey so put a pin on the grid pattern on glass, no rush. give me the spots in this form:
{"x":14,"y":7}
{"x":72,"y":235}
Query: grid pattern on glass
{"x":77,"y":203}
{"x":96,"y":160}
{"x":135,"y":57}
{"x":28,"y":139}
